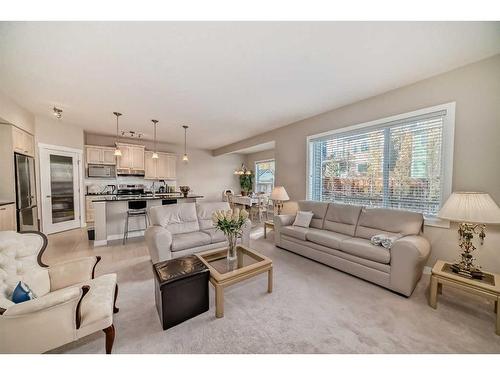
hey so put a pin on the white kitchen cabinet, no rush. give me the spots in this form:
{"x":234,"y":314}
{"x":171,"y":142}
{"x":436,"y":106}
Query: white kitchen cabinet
{"x":132,"y":156}
{"x":137,"y":157}
{"x":23,"y":142}
{"x":100,"y":155}
{"x":108,"y":156}
{"x":149,"y":166}
{"x":162,"y":168}
{"x":8,"y":217}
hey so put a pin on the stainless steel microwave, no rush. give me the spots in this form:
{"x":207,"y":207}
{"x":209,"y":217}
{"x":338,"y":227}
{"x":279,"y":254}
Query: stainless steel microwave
{"x":102,"y":171}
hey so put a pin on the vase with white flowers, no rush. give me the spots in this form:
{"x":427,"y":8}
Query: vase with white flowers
{"x":230,"y":222}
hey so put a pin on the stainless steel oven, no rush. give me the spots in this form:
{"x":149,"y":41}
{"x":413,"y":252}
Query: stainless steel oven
{"x":101,"y":171}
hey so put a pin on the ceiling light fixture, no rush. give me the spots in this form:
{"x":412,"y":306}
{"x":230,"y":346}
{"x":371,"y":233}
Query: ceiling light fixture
{"x":57,"y":112}
{"x":243,"y":170}
{"x":117,"y":150}
{"x":155,"y":153}
{"x":185,"y":156}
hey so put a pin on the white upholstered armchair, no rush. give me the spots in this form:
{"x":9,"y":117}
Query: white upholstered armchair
{"x":71,"y":303}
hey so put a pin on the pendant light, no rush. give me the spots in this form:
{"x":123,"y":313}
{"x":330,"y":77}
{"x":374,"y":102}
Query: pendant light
{"x":185,"y":156}
{"x":155,"y":153}
{"x":117,"y":150}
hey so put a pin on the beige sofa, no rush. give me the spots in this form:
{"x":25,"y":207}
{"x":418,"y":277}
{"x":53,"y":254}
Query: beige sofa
{"x":71,"y":303}
{"x":186,"y":228}
{"x":339,"y":236}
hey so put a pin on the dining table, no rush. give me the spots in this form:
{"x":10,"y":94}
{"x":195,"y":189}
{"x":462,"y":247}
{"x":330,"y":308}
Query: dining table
{"x":245,"y":200}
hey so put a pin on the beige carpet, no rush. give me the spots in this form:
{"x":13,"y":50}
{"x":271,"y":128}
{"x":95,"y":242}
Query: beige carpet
{"x":313,"y":309}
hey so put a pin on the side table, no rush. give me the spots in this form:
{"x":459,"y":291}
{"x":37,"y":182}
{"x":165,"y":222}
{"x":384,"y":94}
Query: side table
{"x":488,"y":287}
{"x":268,"y":224}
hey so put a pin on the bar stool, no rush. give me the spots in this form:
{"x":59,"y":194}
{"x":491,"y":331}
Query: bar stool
{"x":135,"y":209}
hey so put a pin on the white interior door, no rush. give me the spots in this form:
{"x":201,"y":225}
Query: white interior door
{"x":60,"y":190}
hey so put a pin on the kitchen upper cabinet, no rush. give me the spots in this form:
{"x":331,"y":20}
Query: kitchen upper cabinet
{"x":132,"y":156}
{"x":149,"y":166}
{"x":162,"y":168}
{"x":108,"y":156}
{"x":8,"y":217}
{"x":23,"y":142}
{"x":137,"y":157}
{"x":100,"y":155}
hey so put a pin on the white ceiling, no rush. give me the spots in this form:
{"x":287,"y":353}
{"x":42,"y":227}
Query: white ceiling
{"x":226,"y":80}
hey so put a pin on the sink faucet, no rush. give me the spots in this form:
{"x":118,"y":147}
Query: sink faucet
{"x":154,"y":190}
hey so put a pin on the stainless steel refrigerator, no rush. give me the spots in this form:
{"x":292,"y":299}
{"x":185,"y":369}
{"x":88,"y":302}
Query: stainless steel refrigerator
{"x":27,"y":211}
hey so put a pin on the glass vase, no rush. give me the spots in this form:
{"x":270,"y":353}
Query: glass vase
{"x":231,"y":248}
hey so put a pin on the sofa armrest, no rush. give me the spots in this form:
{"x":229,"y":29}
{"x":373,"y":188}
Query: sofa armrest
{"x":245,"y":233}
{"x":72,"y":272}
{"x":159,"y":241}
{"x":41,"y":324}
{"x":281,"y":221}
{"x":48,"y":301}
{"x":408,"y":257}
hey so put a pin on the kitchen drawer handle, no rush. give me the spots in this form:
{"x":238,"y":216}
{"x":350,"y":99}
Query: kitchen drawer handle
{"x":2,"y":209}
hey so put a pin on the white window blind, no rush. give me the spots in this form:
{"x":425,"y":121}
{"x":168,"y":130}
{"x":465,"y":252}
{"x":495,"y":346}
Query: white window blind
{"x":397,"y":164}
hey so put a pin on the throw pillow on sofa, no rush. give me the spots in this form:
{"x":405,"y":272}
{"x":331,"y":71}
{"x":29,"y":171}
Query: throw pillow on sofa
{"x":303,"y":219}
{"x":22,"y":293}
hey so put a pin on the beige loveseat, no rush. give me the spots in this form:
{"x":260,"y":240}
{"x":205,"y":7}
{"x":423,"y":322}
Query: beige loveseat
{"x":339,"y":236}
{"x":71,"y":303}
{"x":186,"y":228}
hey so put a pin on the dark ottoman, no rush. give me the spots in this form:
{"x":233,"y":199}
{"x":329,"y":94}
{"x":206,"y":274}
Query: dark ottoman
{"x":181,"y":289}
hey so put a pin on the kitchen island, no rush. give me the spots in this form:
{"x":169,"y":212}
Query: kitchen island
{"x":110,"y":213}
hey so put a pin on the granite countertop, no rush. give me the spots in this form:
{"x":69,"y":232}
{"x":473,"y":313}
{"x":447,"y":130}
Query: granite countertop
{"x":5,"y":202}
{"x":150,"y":198}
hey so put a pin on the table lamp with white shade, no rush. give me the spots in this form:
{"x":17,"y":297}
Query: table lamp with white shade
{"x":473,"y":210}
{"x":278,"y":196}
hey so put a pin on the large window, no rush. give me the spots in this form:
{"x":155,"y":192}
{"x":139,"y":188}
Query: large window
{"x":264,"y":176}
{"x":400,"y":162}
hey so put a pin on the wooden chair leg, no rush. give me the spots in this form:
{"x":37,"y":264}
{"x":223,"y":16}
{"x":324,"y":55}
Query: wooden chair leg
{"x":115,"y":309}
{"x":110,"y":338}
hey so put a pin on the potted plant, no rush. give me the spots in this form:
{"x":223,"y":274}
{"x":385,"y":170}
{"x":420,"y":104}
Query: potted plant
{"x":246,"y":183}
{"x":230,"y":222}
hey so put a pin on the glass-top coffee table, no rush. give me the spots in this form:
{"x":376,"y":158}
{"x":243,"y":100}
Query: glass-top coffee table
{"x":224,"y":273}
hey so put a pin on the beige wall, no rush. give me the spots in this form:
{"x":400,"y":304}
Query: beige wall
{"x":13,"y":113}
{"x":476,"y":90}
{"x":250,"y":159}
{"x":206,"y":174}
{"x":51,"y":131}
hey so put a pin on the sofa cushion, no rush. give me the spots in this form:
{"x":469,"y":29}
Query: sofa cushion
{"x":294,"y":231}
{"x":205,"y":210}
{"x":215,"y":235}
{"x":318,"y":209}
{"x":364,"y":249}
{"x":176,"y":218}
{"x":373,"y":221}
{"x":182,"y":241}
{"x":342,"y":218}
{"x":326,"y":238}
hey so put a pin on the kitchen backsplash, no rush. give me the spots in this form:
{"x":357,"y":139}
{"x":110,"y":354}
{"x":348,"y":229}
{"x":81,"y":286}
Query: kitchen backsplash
{"x":97,"y":185}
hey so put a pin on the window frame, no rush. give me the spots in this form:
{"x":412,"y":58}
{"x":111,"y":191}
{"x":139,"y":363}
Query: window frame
{"x":255,"y":171}
{"x":448,"y":138}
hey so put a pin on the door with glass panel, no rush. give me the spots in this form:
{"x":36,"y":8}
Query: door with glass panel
{"x":60,"y":190}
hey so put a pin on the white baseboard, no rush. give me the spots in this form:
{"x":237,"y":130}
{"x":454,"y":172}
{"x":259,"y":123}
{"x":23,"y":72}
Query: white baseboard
{"x":427,"y":270}
{"x":139,"y":233}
